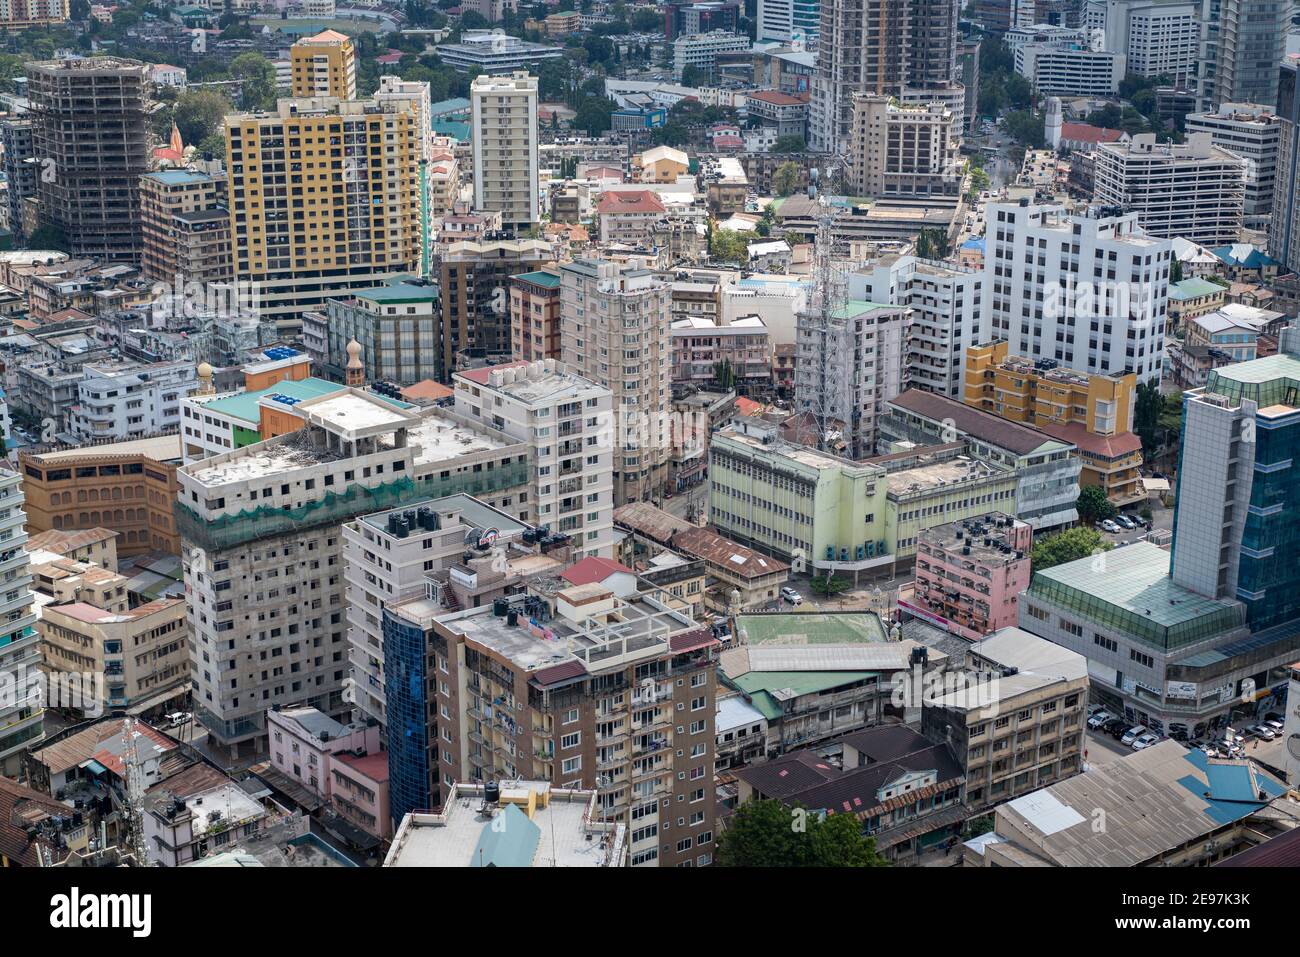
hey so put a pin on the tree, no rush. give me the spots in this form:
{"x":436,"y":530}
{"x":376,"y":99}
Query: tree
{"x":646,"y":21}
{"x":829,"y":586}
{"x":932,"y":244}
{"x":767,"y":833}
{"x":726,"y":245}
{"x":1176,"y":270}
{"x":200,"y":113}
{"x":790,"y":143}
{"x":693,"y":76}
{"x":979,"y":181}
{"x":48,"y":236}
{"x":724,"y":374}
{"x":786,"y":178}
{"x":1067,"y":546}
{"x":1093,"y":505}
{"x":1026,"y":128}
{"x":258,"y":76}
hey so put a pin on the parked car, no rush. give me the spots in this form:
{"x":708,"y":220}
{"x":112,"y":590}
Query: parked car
{"x":1132,"y":734}
{"x":1115,"y":727}
{"x":1098,"y":719}
{"x":178,"y":718}
{"x":1110,"y":526}
{"x":1209,"y":750}
{"x":1144,"y":741}
{"x":1262,"y":731}
{"x":792,"y":596}
{"x":1277,"y":726}
{"x":1123,"y":521}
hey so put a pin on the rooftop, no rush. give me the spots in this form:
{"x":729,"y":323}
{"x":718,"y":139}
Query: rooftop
{"x":925,"y":478}
{"x":1131,"y":586}
{"x":532,"y":825}
{"x":529,"y":381}
{"x":441,"y":438}
{"x":812,"y":628}
{"x":245,"y":406}
{"x":1016,"y":438}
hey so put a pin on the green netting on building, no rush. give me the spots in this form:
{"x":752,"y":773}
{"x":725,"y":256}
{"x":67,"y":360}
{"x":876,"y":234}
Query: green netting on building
{"x":229,"y":531}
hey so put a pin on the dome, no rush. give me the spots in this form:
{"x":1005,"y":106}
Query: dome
{"x":205,"y":371}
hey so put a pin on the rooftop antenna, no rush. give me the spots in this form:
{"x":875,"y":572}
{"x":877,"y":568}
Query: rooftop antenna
{"x":821,"y":365}
{"x":134,"y":793}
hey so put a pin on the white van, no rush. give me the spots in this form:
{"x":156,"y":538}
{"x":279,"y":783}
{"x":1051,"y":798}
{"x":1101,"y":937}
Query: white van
{"x":1132,"y":734}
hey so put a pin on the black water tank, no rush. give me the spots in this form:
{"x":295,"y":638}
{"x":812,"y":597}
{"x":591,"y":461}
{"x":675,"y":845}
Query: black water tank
{"x":499,"y":607}
{"x":512,"y":618}
{"x":491,"y":792}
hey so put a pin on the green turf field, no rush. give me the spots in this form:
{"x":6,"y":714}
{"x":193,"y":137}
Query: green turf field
{"x":813,"y":628}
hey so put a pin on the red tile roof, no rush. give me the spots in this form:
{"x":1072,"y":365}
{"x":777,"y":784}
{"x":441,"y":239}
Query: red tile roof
{"x":1086,"y":133}
{"x":1111,"y":447}
{"x":630,"y":201}
{"x":593,"y":570}
{"x":20,"y":807}
{"x":373,"y":766}
{"x":775,"y":98}
{"x":482,"y":375}
{"x":561,"y":672}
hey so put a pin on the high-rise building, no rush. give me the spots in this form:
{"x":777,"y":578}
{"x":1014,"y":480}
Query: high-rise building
{"x":1194,"y":190}
{"x":304,"y":227}
{"x":1242,"y":44}
{"x":1088,"y":290}
{"x":415,"y":95}
{"x":535,"y":315}
{"x":324,"y":65}
{"x":16,"y":14}
{"x":1157,"y":37}
{"x":1235,"y":528}
{"x":90,"y":125}
{"x":20,"y":167}
{"x":397,"y":327}
{"x":166,"y":200}
{"x":1284,"y":225}
{"x":1251,"y":132}
{"x":690,"y":17}
{"x":616,"y":331}
{"x":904,"y":152}
{"x":474,"y":287}
{"x":902,"y":48}
{"x":849,"y":363}
{"x":22,"y":714}
{"x":262,"y":544}
{"x":945,"y":304}
{"x":548,"y":687}
{"x":789,"y":21}
{"x":504,"y":121}
{"x":567,"y":422}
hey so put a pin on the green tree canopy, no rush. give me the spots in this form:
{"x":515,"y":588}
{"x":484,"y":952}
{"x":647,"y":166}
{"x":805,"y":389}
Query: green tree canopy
{"x":726,"y":245}
{"x":786,"y":178}
{"x":1067,"y":546}
{"x":766,"y":833}
{"x":791,"y":143}
{"x":1093,"y":505}
{"x":258,"y":76}
{"x":200,"y":113}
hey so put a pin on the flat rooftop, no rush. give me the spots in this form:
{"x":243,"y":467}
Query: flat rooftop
{"x":440,"y":439}
{"x":923,"y":478}
{"x":527,"y":381}
{"x":803,"y":454}
{"x":257,"y":461}
{"x":468,"y":833}
{"x":467,"y":509}
{"x":161,"y":448}
{"x":353,"y":412}
{"x":811,"y":628}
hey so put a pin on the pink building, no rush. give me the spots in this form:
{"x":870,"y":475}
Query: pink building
{"x":303,"y":740}
{"x":969,"y":575}
{"x":360,"y":792}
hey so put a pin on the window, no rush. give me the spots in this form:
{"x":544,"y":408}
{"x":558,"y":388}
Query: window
{"x":571,"y":716}
{"x":570,"y":740}
{"x":571,"y":765}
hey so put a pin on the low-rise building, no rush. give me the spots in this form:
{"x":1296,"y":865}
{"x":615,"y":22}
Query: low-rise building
{"x":304,"y":742}
{"x":969,"y":575}
{"x":737,"y":356}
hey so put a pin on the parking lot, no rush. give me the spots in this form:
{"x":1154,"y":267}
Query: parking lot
{"x":1102,"y":747}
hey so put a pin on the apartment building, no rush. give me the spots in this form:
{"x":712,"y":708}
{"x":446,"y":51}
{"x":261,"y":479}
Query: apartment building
{"x":1157,"y":37}
{"x":567,"y":422}
{"x":20,"y":168}
{"x":786,"y":114}
{"x":350,"y":227}
{"x":850,"y":362}
{"x":396,"y":325}
{"x":323,"y":65}
{"x":1253,"y":133}
{"x":262,"y":546}
{"x":166,"y":197}
{"x":17,"y":14}
{"x":740,"y":352}
{"x":495,"y":54}
{"x":535,"y":315}
{"x":457,"y":548}
{"x":142,"y":652}
{"x":629,"y":216}
{"x":130,"y":486}
{"x":1047,"y":272}
{"x":1194,"y":190}
{"x":616,"y":332}
{"x":1242,"y":44}
{"x":1061,"y":61}
{"x":474,"y":282}
{"x":22,"y":713}
{"x":1019,"y":722}
{"x":90,"y":129}
{"x":904,"y":152}
{"x":903,"y":48}
{"x":504,"y":119}
{"x":945,"y":302}
{"x":1094,"y":413}
{"x":304,"y":744}
{"x":700,"y":51}
{"x":121,"y":399}
{"x":969,"y":575}
{"x":555,"y":686}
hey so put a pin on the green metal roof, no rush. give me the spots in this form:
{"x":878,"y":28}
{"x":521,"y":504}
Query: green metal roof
{"x":507,"y":841}
{"x":1267,"y":381}
{"x":399,"y":291}
{"x":858,"y":307}
{"x":452,"y":128}
{"x":539,"y":278}
{"x":760,"y":685}
{"x":1193,"y":289}
{"x":1129,"y":589}
{"x":244,"y":405}
{"x":812,"y":628}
